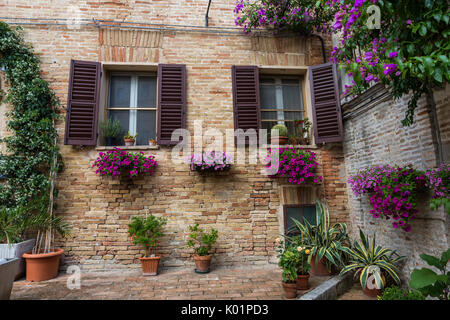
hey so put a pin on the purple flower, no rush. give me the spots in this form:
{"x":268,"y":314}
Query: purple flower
{"x":393,"y":54}
{"x":389,"y":68}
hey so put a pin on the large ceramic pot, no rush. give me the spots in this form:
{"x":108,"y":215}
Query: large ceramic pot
{"x":302,"y":282}
{"x":8,"y":269}
{"x":290,"y":289}
{"x":150,"y":265}
{"x":42,"y":266}
{"x":16,"y":250}
{"x":202,"y":263}
{"x":319,"y":268}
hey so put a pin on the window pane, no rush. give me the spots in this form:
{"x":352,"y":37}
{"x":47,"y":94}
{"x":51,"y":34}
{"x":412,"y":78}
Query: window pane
{"x":295,"y":213}
{"x":119,"y":92}
{"x":124,"y":117}
{"x":268,"y":97}
{"x":269,"y":115}
{"x":292,"y":97}
{"x":146,"y":92}
{"x":293,"y":115}
{"x":310,"y":214}
{"x":146,"y":127}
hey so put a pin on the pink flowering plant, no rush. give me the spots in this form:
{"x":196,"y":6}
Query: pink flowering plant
{"x":393,"y":191}
{"x":297,"y":164}
{"x":118,"y":162}
{"x":210,"y":161}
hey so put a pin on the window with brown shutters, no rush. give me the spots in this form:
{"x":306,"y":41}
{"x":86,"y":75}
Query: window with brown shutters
{"x":171,"y":101}
{"x":82,"y":103}
{"x":246,"y":99}
{"x":325,"y":103}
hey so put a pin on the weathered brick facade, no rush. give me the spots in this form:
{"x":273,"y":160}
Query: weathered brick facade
{"x":244,"y":205}
{"x":374,"y":136}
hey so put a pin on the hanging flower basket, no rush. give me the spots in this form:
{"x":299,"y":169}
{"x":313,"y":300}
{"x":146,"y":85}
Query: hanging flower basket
{"x":211,"y":161}
{"x":117,"y":163}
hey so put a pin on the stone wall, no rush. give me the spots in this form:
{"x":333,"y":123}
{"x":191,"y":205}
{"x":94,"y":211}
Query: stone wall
{"x":375,"y":136}
{"x":244,"y":205}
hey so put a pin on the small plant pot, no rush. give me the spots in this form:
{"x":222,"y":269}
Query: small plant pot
{"x":150,"y":265}
{"x":279,"y":140}
{"x":319,"y":268}
{"x":202,"y":263}
{"x":290,"y":290}
{"x":302,"y":282}
{"x":152,"y":144}
{"x":129,"y":142}
{"x":42,"y":266}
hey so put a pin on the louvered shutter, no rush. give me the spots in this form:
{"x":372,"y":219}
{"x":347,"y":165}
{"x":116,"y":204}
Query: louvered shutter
{"x":171,"y":101}
{"x":246,"y":99}
{"x":82,"y":103}
{"x":325,"y":103}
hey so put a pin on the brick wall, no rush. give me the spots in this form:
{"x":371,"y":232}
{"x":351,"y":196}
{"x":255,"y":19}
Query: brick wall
{"x":244,"y":205}
{"x":375,"y":136}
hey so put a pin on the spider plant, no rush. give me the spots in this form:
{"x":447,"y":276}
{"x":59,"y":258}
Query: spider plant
{"x":324,"y":240}
{"x":370,"y":259}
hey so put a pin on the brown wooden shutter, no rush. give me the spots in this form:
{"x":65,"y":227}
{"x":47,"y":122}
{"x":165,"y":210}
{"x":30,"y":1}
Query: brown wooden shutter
{"x":325,"y":103}
{"x":246,"y":99}
{"x":82,"y":103}
{"x":171,"y":101}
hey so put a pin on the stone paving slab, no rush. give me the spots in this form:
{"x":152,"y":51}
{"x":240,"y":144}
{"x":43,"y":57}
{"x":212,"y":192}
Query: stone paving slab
{"x":246,"y":283}
{"x":355,"y":293}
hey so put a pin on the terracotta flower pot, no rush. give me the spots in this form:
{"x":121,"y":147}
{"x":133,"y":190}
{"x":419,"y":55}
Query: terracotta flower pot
{"x":129,"y":142}
{"x":42,"y":266}
{"x":319,"y":268}
{"x":302,"y":282}
{"x":374,"y":292}
{"x":281,"y":140}
{"x":290,"y":290}
{"x":202,"y":263}
{"x":150,"y":265}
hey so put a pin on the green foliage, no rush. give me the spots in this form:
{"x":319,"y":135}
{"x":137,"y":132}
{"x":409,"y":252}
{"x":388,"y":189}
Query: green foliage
{"x":293,"y":260}
{"x":430,"y":283}
{"x":280,"y":130}
{"x":30,"y":148}
{"x":111,"y":128}
{"x":14,"y":222}
{"x":370,"y":260}
{"x":201,"y":241}
{"x":324,"y":240}
{"x":129,"y":136}
{"x":146,"y":231}
{"x":396,"y":293}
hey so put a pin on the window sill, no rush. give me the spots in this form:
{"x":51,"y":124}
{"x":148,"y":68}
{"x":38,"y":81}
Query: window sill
{"x":303,"y":146}
{"x":103,"y":148}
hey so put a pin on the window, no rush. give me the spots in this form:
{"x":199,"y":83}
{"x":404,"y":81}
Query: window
{"x":300,"y":213}
{"x":132,"y":101}
{"x":281,"y":102}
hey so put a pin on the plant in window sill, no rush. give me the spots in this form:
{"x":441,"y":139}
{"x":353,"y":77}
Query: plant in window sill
{"x":118,"y":162}
{"x":211,"y":161}
{"x":129,"y":139}
{"x":296,"y":164}
{"x":279,"y":134}
{"x":152,"y":142}
{"x":111,"y":129}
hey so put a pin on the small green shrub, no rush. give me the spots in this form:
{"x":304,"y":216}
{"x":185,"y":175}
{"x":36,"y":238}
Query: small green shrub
{"x":282,"y":130}
{"x":146,"y":231}
{"x":396,"y":293}
{"x":201,"y":241}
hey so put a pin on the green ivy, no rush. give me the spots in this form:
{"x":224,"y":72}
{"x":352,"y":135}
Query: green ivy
{"x":30,"y":149}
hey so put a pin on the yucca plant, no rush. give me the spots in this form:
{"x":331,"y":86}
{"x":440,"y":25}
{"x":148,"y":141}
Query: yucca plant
{"x":370,"y":260}
{"x":324,"y":240}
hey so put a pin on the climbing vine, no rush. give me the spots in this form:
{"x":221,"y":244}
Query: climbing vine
{"x":31,"y":148}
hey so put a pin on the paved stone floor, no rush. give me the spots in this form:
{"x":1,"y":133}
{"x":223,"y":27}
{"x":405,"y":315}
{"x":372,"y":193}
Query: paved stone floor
{"x":355,"y":293}
{"x":246,"y":283}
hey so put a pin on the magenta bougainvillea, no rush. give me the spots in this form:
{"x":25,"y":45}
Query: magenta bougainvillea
{"x":297,"y":164}
{"x":393,"y":191}
{"x":118,"y":162}
{"x":210,"y":161}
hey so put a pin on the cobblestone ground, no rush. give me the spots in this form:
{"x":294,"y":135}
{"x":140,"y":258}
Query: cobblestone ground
{"x":355,"y":293}
{"x":221,"y":283}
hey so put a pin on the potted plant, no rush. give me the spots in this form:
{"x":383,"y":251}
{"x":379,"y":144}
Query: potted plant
{"x":8,"y":270}
{"x":129,"y":139}
{"x":305,"y":131}
{"x":289,"y":262}
{"x":303,"y":268}
{"x":42,"y":263}
{"x":111,"y":129}
{"x":202,"y":243}
{"x":14,"y":224}
{"x":326,"y":242}
{"x":152,"y":142}
{"x":279,"y":134}
{"x":372,"y":263}
{"x":146,"y":231}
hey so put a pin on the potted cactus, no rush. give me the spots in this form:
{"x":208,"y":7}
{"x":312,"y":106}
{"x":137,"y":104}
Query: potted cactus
{"x":202,"y":243}
{"x":279,"y":135}
{"x":146,"y":231}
